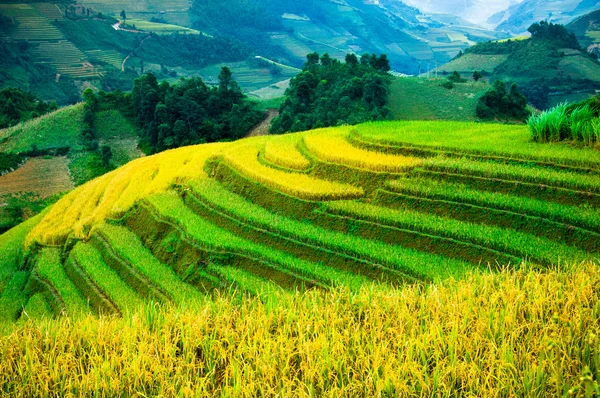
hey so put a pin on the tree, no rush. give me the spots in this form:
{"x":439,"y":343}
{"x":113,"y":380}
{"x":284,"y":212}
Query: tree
{"x":123,"y":15}
{"x":500,"y":103}
{"x":106,"y":155}
{"x":477,"y":76}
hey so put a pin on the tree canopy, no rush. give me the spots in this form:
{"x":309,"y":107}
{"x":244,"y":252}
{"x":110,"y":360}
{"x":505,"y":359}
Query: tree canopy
{"x":330,"y":93}
{"x":189,"y":112}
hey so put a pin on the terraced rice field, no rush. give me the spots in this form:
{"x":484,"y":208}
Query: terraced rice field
{"x":48,"y":44}
{"x":32,"y":25}
{"x":66,"y":58}
{"x":386,"y":203}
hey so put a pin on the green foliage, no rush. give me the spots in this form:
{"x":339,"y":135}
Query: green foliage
{"x":49,"y":267}
{"x":455,"y":77}
{"x":555,"y":33}
{"x":577,"y":122}
{"x":18,"y":106}
{"x":402,"y":259}
{"x":9,"y":161}
{"x":20,"y":207}
{"x":500,"y":103}
{"x":477,"y":76}
{"x":61,"y":131}
{"x":130,"y":248}
{"x":331,"y":93}
{"x":106,"y":279}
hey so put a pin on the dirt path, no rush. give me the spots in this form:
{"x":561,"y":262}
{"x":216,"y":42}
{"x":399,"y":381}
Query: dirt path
{"x":263,"y":127}
{"x":133,"y":52}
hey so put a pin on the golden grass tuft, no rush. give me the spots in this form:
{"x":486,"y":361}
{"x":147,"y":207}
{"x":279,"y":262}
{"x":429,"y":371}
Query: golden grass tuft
{"x":515,"y":333}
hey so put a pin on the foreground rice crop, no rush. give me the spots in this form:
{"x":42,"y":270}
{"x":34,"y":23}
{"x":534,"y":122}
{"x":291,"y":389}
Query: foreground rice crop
{"x":522,"y":333}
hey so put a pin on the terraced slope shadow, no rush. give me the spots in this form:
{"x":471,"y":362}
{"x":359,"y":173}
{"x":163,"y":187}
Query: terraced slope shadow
{"x":274,"y":215}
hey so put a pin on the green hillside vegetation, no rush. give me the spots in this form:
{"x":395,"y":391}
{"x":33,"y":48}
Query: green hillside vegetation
{"x":288,"y":31}
{"x":18,"y":106}
{"x":550,"y":63}
{"x":578,"y":122}
{"x":587,"y":30}
{"x":415,"y":98}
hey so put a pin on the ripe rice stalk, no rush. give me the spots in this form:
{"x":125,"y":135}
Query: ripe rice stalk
{"x":333,"y":147}
{"x":244,"y":158}
{"x":282,"y":151}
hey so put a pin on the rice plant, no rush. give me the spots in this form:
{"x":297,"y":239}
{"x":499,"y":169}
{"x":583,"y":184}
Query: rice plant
{"x":514,"y":333}
{"x":551,"y":125}
{"x":581,"y":124}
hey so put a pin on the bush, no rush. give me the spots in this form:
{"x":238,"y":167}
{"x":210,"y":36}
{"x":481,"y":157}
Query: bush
{"x":500,"y":103}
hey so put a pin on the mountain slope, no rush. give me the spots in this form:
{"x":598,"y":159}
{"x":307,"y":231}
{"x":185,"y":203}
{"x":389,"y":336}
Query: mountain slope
{"x":344,"y":206}
{"x":517,"y":18}
{"x":587,"y":30}
{"x":289,"y":30}
{"x":477,"y":11}
{"x":543,"y":66}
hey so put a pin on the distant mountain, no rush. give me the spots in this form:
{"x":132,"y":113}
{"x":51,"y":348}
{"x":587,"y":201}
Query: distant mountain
{"x":288,"y":30}
{"x":476,"y":11}
{"x":587,"y":30}
{"x":517,"y":18}
{"x":550,"y":68}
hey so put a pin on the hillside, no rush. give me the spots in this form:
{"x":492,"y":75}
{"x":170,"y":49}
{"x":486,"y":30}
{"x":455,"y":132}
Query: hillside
{"x":518,"y":17}
{"x":476,"y":11}
{"x":58,"y":50}
{"x":549,"y":69}
{"x":333,"y":207}
{"x":415,"y":98}
{"x":587,"y":29}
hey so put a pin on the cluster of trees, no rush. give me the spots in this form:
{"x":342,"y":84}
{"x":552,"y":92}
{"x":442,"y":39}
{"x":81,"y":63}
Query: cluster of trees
{"x":18,"y":106}
{"x":502,"y":103}
{"x":555,"y":33}
{"x":187,"y":113}
{"x":330,"y":93}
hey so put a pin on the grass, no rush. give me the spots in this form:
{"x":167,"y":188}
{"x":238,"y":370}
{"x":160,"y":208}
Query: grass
{"x":37,"y":307}
{"x":409,"y":261}
{"x":169,"y":205}
{"x":507,"y":141}
{"x":515,"y":172}
{"x":244,"y":158}
{"x":11,"y":247}
{"x":106,"y":279}
{"x":562,"y":123}
{"x":59,"y":129}
{"x":49,"y":267}
{"x":336,"y":149}
{"x":462,"y":194}
{"x":159,"y":28}
{"x":114,"y":194}
{"x":128,"y":246}
{"x":523,"y":333}
{"x":416,"y":98}
{"x":512,"y":242}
